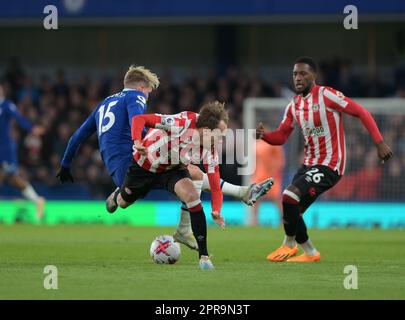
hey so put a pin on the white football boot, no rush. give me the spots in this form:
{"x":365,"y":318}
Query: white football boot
{"x":256,"y":191}
{"x":187,"y":239}
{"x":205,"y":263}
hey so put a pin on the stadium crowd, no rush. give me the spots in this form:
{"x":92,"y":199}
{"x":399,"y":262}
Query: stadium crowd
{"x":60,"y":105}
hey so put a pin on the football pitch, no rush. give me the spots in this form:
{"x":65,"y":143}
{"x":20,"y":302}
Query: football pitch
{"x":112,"y":262}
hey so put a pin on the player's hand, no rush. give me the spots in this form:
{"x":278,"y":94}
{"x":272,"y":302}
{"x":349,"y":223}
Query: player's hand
{"x":64,"y":175}
{"x":141,"y":149}
{"x":218,"y":219}
{"x":38,"y":131}
{"x":259,"y":130}
{"x":384,"y":151}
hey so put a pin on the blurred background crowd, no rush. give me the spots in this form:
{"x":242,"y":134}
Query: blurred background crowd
{"x":61,"y":103}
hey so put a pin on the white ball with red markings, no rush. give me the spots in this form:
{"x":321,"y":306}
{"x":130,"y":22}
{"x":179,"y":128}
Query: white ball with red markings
{"x":164,"y":250}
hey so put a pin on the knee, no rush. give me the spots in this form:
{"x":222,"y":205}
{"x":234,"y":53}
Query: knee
{"x":121,"y":202}
{"x":123,"y":205}
{"x":291,"y":196}
{"x":195,"y":172}
{"x":191,"y":196}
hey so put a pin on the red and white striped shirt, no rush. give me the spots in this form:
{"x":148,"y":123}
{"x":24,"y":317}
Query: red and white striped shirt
{"x":319,"y":115}
{"x":173,"y":142}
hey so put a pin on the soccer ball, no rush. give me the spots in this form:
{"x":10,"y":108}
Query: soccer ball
{"x":164,"y":250}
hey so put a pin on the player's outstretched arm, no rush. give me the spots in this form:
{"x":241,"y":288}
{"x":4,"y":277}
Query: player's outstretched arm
{"x":384,"y":152}
{"x":339,"y":102}
{"x":138,"y":124}
{"x":80,"y":136}
{"x":21,"y":120}
{"x":281,"y":135}
{"x":142,"y":120}
{"x":275,"y":138}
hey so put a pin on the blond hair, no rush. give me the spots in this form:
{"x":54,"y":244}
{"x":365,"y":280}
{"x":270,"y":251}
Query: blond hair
{"x":137,"y":74}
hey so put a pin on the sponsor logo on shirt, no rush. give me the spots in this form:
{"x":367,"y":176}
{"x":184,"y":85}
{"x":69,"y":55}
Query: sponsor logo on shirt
{"x":315,"y":132}
{"x":168,"y":121}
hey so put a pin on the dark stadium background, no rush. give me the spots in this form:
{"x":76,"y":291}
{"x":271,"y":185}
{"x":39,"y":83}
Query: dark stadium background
{"x":226,"y":50}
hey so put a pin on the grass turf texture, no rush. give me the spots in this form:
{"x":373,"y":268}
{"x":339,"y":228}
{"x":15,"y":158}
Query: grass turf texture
{"x":101,"y":262}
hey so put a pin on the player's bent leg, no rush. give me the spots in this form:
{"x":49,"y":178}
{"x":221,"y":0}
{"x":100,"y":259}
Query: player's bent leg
{"x":310,"y":253}
{"x":302,"y":238}
{"x":125,"y":197}
{"x":119,"y":178}
{"x":29,"y":193}
{"x":184,"y":189}
{"x":111,"y":202}
{"x":291,"y":214}
{"x":137,"y":184}
{"x":227,"y":188}
{"x":195,"y":172}
{"x":248,"y":194}
{"x":184,"y":232}
{"x":310,"y":191}
{"x":184,"y":226}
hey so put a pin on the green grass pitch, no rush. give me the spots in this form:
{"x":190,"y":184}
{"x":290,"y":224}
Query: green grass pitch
{"x":112,"y":262}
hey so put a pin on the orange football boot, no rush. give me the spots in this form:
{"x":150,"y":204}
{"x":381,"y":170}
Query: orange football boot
{"x":305,"y":258}
{"x":282,"y":254}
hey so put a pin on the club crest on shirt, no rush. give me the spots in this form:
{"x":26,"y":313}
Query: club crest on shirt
{"x":340,"y":95}
{"x":315,"y":107}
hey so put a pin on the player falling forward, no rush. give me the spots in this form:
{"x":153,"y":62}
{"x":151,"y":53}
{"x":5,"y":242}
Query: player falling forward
{"x":8,"y":152}
{"x":317,"y":110}
{"x":112,"y":121}
{"x":162,"y":157}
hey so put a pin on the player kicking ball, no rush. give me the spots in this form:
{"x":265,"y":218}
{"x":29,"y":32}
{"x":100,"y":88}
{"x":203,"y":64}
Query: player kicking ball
{"x":317,"y":111}
{"x":162,"y":157}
